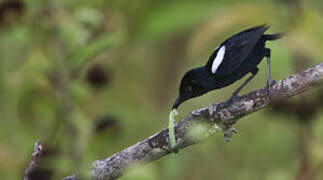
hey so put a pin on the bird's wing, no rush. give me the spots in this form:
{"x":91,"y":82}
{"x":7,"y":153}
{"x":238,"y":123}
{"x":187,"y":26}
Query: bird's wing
{"x":232,"y":52}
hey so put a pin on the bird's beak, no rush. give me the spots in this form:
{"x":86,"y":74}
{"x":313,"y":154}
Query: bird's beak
{"x":178,"y":101}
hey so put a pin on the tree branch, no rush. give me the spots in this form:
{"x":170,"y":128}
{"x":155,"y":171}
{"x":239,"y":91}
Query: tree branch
{"x":157,"y":145}
{"x":38,"y":149}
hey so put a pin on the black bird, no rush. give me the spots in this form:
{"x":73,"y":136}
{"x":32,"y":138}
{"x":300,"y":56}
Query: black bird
{"x":232,"y":60}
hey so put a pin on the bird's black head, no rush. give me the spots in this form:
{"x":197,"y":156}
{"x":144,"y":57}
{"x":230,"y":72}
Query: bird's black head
{"x":195,"y":82}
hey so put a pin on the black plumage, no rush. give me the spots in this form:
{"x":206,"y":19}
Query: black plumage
{"x":242,"y":53}
{"x":231,"y":61}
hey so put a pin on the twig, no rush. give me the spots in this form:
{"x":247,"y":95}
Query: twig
{"x":157,"y":145}
{"x":38,"y":149}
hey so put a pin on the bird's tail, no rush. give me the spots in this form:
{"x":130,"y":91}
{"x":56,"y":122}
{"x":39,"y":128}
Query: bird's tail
{"x":272,"y":37}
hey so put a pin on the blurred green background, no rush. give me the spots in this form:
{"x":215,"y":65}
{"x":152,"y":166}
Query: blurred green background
{"x":89,"y":78}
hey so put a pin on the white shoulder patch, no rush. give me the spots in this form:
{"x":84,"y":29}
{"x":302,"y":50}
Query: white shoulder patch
{"x":218,"y":59}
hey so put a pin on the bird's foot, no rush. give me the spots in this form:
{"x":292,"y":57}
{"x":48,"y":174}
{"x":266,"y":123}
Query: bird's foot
{"x":271,"y":82}
{"x":225,"y":104}
{"x":268,"y":87}
{"x":228,"y":131}
{"x":228,"y":102}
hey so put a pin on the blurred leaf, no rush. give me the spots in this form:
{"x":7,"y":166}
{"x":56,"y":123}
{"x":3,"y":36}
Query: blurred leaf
{"x":101,"y":44}
{"x":174,"y":17}
{"x":72,"y":32}
{"x":141,"y":173}
{"x":89,"y":16}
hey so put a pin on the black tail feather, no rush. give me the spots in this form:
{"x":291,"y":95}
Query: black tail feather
{"x":272,"y":37}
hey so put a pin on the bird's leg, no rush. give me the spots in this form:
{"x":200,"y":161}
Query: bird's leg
{"x":269,"y":80}
{"x":236,"y":92}
{"x":229,"y":129}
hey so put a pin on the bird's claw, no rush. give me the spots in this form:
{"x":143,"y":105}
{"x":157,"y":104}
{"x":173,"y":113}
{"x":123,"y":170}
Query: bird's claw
{"x":224,"y":104}
{"x":227,"y":132}
{"x":271,"y":82}
{"x":268,"y":87}
{"x":228,"y":102}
